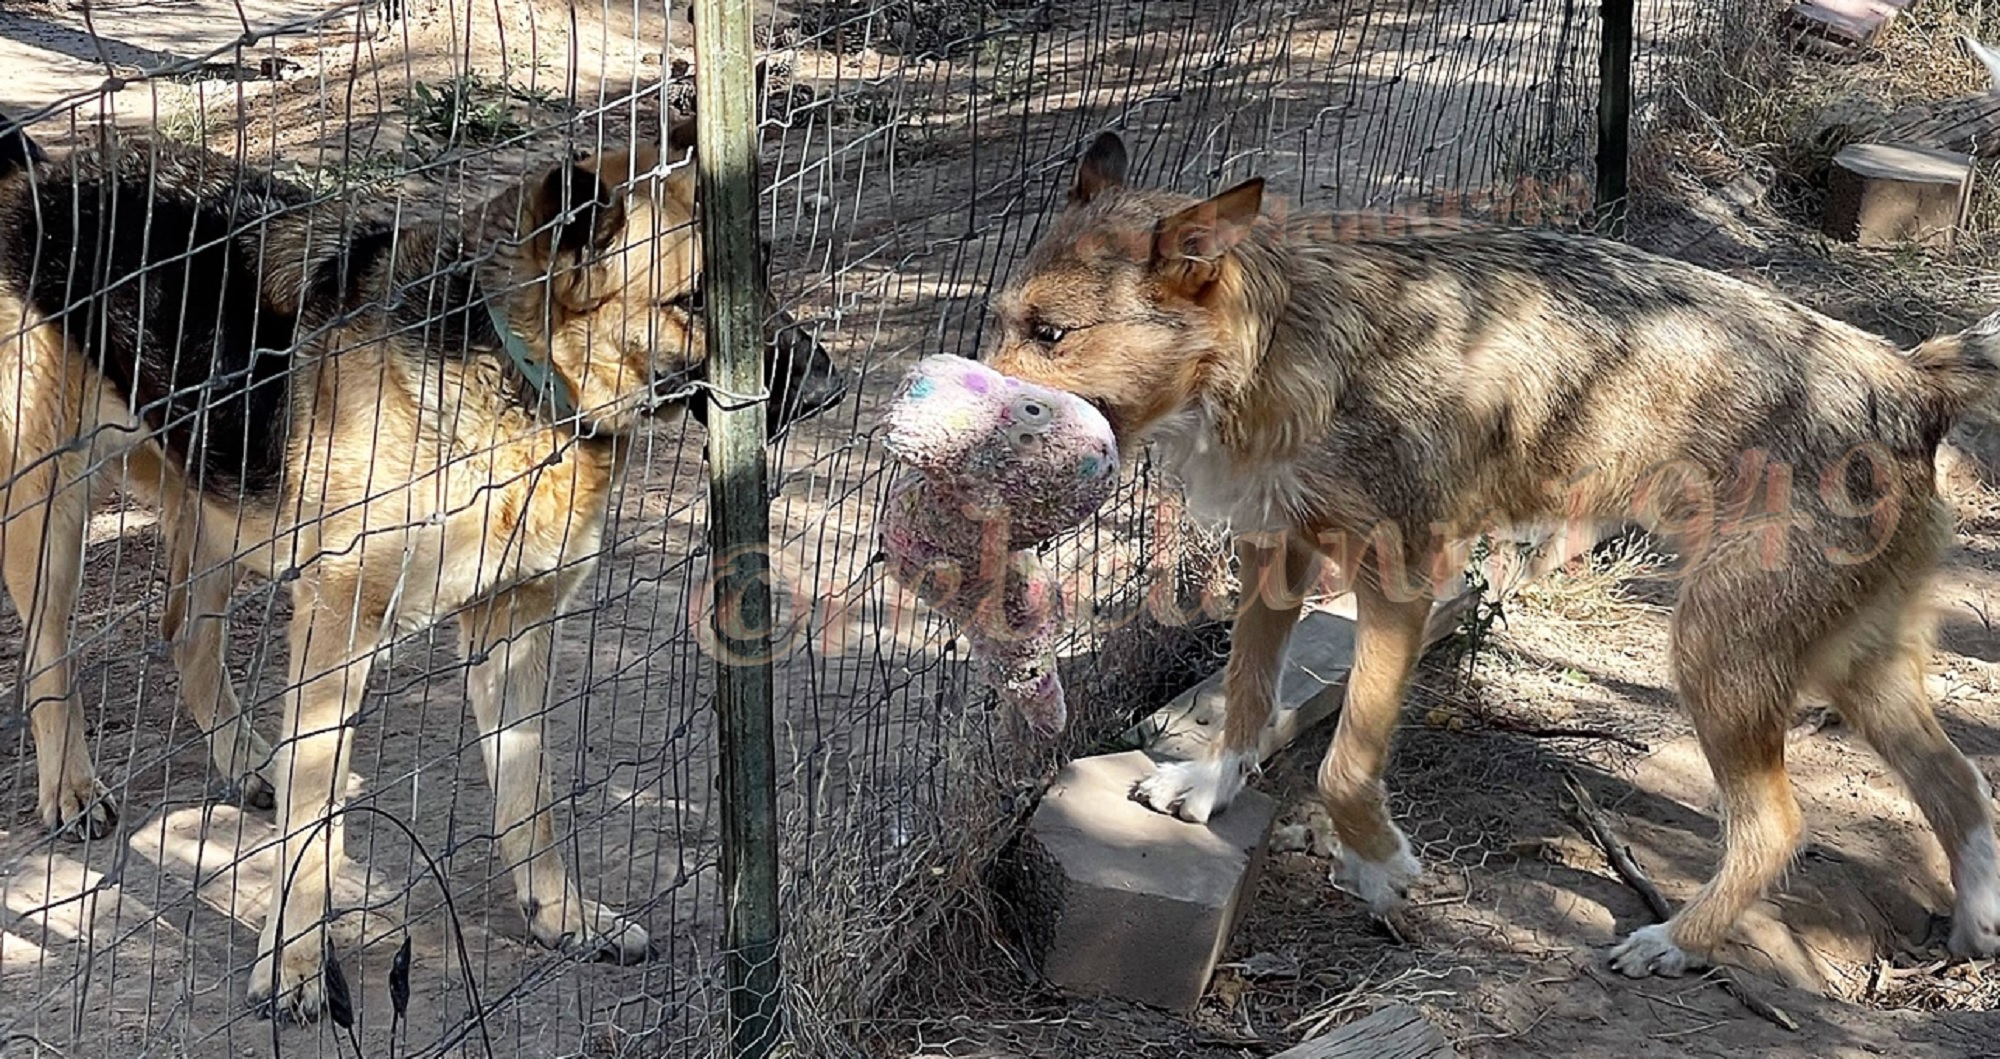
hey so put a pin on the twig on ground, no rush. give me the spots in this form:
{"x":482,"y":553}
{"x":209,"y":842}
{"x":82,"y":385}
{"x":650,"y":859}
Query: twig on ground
{"x":1599,"y":826}
{"x":1502,"y":724}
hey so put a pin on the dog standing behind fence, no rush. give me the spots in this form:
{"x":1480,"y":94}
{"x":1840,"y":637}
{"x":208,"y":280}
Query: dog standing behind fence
{"x":1377,"y":400}
{"x":410,"y":423}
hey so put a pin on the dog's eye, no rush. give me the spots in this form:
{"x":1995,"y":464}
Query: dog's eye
{"x":687,"y":301}
{"x":1046,"y":333}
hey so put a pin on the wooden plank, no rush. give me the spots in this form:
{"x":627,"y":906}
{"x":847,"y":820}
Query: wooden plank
{"x":1396,"y":1032}
{"x":1856,"y":24}
{"x":1967,"y":125}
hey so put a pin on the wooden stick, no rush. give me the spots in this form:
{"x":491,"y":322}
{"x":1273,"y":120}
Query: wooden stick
{"x":1599,"y":826}
{"x":1502,"y":724}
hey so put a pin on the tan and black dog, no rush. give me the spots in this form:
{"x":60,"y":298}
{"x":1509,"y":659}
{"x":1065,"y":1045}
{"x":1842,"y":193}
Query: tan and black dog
{"x":408,"y":422}
{"x":1378,"y":399}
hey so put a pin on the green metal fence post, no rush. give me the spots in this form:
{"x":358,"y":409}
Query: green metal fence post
{"x":739,"y":517}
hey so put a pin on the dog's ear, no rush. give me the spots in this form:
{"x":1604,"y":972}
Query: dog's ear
{"x":577,"y":212}
{"x":1190,"y":246}
{"x":577,"y":217}
{"x":1103,"y":166}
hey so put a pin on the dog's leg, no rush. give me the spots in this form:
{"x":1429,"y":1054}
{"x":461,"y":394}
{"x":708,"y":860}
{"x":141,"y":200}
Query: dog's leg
{"x":1197,"y":790}
{"x":333,"y":643}
{"x":1884,"y":699}
{"x":508,"y":642}
{"x":195,"y":622}
{"x":41,"y":550}
{"x":1738,"y":673}
{"x":1376,"y":863}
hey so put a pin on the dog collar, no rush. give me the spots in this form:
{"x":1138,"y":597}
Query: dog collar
{"x":541,"y":375}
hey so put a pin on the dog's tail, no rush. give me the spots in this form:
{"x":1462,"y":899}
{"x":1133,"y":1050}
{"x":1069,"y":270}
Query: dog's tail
{"x":1963,"y":369}
{"x":18,"y":150}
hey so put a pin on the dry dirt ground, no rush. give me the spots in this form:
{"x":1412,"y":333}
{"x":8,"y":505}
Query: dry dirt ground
{"x":912,"y":155}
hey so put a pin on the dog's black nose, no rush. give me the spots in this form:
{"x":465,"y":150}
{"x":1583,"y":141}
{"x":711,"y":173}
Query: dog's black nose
{"x":804,"y":380}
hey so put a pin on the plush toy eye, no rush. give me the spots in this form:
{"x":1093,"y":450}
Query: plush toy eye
{"x":1032,"y":412}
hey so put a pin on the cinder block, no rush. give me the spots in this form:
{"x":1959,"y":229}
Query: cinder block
{"x":1886,"y":194}
{"x":1115,"y":899}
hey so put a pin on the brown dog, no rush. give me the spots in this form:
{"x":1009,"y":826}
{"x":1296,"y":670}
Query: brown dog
{"x":408,"y":422}
{"x":1378,"y":399}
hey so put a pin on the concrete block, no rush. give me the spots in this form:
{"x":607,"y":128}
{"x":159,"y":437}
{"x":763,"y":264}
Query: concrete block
{"x":1310,"y":689}
{"x":1114,"y":899}
{"x":1887,"y":194}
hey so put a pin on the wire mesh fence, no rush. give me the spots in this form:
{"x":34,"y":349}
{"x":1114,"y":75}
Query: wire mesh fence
{"x":422,"y":159}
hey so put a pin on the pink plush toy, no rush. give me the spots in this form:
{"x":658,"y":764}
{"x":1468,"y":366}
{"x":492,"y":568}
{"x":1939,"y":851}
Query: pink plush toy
{"x":998,"y":466}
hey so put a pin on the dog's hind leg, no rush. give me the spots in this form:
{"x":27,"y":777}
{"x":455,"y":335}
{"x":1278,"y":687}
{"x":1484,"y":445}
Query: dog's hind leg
{"x":1376,"y":863}
{"x":1883,"y":698}
{"x":1738,"y":654}
{"x":1197,"y":790}
{"x":508,"y":643}
{"x":200,"y":578}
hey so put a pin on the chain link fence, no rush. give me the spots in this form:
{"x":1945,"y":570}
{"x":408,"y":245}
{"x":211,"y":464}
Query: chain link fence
{"x":912,"y":151}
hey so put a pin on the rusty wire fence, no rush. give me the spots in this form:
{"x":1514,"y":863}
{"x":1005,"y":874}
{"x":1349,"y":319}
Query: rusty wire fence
{"x":911,"y":150}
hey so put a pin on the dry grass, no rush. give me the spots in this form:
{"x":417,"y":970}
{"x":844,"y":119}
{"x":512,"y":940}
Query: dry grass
{"x":1596,"y":589}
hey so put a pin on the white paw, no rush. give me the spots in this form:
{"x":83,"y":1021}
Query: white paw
{"x":293,"y":984}
{"x":1194,"y":790}
{"x":1975,"y":921}
{"x":588,"y":930}
{"x":1380,"y":884}
{"x":1649,"y":951}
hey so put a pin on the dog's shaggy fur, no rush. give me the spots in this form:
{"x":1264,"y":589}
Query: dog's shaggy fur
{"x":327,"y":398}
{"x":1379,"y":400}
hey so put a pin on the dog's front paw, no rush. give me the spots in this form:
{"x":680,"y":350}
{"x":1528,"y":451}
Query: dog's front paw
{"x":1650,"y":951}
{"x":293,"y":984}
{"x":588,"y":930}
{"x":1975,"y":923}
{"x":79,"y":807}
{"x":1974,"y":939}
{"x":1193,"y":790}
{"x":1975,"y":920}
{"x":1380,"y":884}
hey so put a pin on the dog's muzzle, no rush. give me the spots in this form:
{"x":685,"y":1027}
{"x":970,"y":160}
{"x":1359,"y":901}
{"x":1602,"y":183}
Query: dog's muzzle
{"x":803,"y":381}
